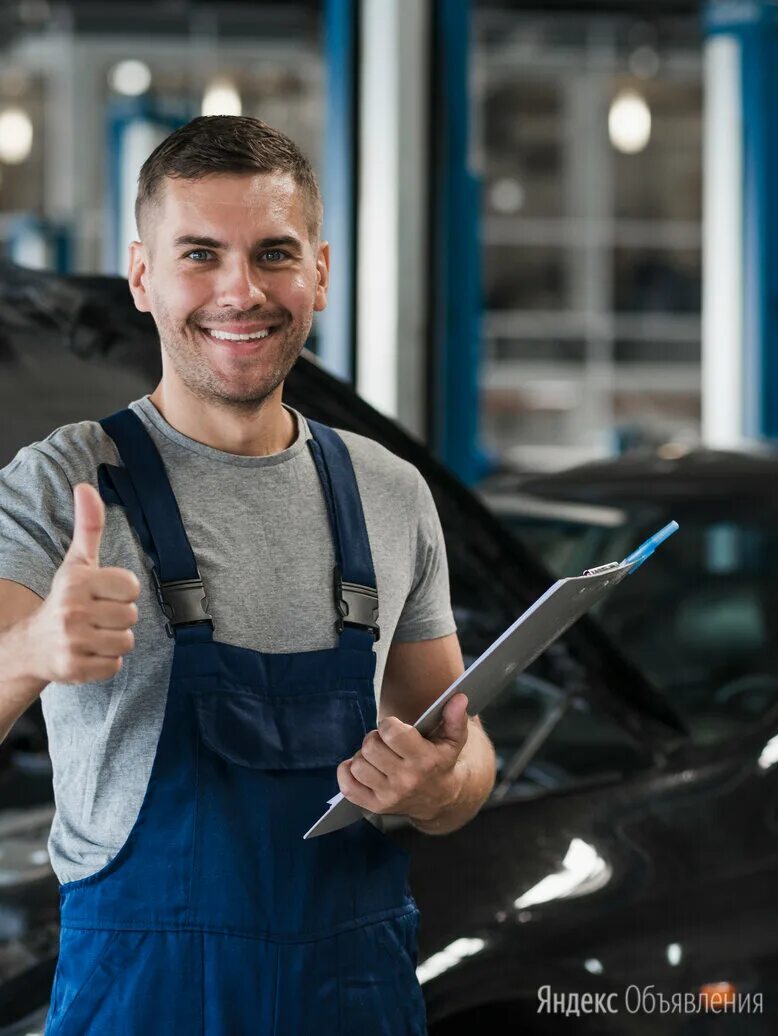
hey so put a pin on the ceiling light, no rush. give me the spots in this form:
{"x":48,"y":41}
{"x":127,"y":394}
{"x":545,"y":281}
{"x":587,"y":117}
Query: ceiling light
{"x":507,"y":195}
{"x":629,"y":122}
{"x":15,"y":136}
{"x":222,"y":98}
{"x":131,"y":78}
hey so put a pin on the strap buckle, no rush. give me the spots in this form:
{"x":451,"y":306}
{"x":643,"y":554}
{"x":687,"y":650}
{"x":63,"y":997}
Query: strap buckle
{"x":184,"y":602}
{"x":357,"y":606}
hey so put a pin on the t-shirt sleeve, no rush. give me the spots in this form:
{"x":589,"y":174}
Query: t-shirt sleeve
{"x":36,"y":519}
{"x":427,"y":610}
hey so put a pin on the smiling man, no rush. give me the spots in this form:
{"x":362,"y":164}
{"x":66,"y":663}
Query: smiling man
{"x":230,"y":612}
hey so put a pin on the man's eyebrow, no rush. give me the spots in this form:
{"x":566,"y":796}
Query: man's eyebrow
{"x":275,"y":242}
{"x":198,"y":241}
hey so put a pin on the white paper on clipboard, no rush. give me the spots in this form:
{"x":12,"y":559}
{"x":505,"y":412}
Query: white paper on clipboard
{"x":529,"y":636}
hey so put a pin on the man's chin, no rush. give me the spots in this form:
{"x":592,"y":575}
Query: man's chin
{"x":228,"y":392}
{"x":240,"y":382}
{"x":251,"y":398}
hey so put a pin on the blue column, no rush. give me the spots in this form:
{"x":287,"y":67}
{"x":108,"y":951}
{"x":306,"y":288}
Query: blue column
{"x":40,"y":244}
{"x":335,"y":346}
{"x":126,"y":117}
{"x":456,"y":250}
{"x":753,"y":24}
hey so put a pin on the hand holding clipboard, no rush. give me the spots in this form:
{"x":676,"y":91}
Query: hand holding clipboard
{"x":527,"y":638}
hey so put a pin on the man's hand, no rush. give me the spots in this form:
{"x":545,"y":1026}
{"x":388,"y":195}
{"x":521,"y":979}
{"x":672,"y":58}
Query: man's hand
{"x":83,"y":628}
{"x":397,"y":770}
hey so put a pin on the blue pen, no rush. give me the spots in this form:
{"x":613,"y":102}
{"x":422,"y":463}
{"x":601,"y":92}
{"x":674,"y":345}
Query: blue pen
{"x":645,"y":550}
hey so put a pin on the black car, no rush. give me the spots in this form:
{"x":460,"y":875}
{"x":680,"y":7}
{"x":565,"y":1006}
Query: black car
{"x":628,"y":849}
{"x":702,"y":620}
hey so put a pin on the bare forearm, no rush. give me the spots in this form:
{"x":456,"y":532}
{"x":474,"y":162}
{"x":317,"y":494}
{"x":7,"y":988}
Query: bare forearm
{"x":19,"y":687}
{"x":472,"y":781}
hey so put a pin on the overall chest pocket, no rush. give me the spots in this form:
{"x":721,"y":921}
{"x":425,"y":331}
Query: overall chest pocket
{"x":280,"y":732}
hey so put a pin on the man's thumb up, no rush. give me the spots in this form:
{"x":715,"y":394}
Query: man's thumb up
{"x":83,"y":629}
{"x":88,"y":526}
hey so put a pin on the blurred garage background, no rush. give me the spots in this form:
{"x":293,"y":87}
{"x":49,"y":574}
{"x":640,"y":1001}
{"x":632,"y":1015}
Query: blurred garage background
{"x":557,"y":146}
{"x":554,"y":277}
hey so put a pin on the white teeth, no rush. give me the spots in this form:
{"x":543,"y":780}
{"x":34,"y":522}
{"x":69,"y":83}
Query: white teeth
{"x":228,"y":336}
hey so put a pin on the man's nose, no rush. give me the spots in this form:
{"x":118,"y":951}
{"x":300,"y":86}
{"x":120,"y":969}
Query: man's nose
{"x":241,"y":286}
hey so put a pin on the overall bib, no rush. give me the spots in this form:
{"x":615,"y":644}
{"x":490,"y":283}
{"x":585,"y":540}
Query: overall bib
{"x":215,"y":917}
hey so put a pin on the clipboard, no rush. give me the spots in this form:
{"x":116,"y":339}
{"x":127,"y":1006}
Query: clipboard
{"x":528,"y":637}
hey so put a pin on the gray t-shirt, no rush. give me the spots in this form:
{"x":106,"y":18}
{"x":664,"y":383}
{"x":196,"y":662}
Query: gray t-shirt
{"x":259,"y":530}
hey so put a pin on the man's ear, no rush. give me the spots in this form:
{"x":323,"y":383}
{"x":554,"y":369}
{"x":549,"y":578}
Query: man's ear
{"x":322,"y":276}
{"x":136,"y":276}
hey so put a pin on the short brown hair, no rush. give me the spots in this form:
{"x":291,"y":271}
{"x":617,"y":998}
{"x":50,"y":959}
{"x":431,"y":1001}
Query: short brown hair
{"x":228,"y":144}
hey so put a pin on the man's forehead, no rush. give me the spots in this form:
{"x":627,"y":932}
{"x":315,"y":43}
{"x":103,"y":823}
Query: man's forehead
{"x":273,"y":197}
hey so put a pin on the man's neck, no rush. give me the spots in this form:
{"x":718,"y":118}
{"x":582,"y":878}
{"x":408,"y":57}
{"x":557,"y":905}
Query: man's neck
{"x":260,"y":433}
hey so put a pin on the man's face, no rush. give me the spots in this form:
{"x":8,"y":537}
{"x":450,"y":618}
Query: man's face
{"x":224,"y":256}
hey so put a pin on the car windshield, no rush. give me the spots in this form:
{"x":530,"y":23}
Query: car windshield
{"x":700,"y":619}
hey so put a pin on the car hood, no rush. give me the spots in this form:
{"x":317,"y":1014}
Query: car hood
{"x":694,"y":479}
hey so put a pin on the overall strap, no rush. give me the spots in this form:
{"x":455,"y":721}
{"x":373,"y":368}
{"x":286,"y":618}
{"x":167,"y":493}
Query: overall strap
{"x":356,"y":595}
{"x":142,"y":488}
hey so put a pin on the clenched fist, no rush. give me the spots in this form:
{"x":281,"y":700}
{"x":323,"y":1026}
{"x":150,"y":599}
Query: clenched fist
{"x":84,"y":627}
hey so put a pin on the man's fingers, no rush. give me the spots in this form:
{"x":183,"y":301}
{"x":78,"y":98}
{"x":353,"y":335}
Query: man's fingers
{"x":110,"y":643}
{"x":403,"y":739}
{"x":365,"y":773}
{"x":115,"y":584}
{"x":353,"y":790}
{"x":115,"y":616}
{"x":377,"y":752}
{"x":88,"y":526}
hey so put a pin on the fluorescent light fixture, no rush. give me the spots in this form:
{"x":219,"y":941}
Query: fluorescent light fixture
{"x":131,"y":78}
{"x":447,"y":958}
{"x":222,"y":98}
{"x":629,"y":122}
{"x":769,"y":754}
{"x":674,"y":954}
{"x":724,"y":392}
{"x":583,"y":871}
{"x":15,"y":136}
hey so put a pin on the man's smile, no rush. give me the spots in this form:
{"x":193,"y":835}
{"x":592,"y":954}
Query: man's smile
{"x":231,"y":336}
{"x":239,"y":338}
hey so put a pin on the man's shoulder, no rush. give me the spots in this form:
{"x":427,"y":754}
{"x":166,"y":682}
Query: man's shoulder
{"x":375,"y":465}
{"x":76,"y":449}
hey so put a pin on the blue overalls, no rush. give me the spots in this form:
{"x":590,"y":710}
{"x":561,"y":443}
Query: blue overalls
{"x":215,"y":917}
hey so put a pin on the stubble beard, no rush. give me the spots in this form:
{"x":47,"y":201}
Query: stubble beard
{"x":186,"y":352}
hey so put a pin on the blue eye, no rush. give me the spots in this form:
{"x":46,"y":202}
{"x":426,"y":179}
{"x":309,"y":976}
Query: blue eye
{"x":198,"y":251}
{"x":276,"y":251}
